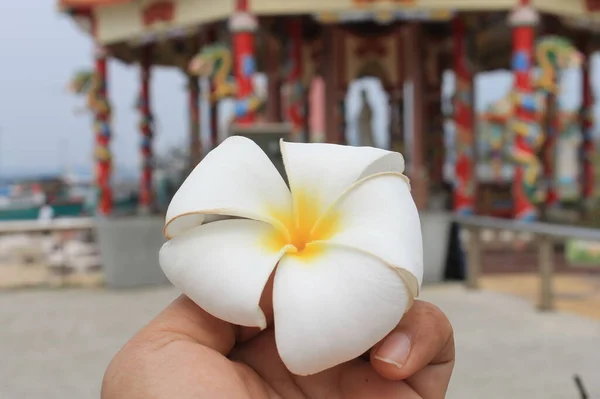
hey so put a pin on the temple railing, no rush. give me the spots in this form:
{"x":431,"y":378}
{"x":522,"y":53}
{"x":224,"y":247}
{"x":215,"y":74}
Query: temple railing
{"x":546,"y":236}
{"x":50,"y":253}
{"x":38,"y":226}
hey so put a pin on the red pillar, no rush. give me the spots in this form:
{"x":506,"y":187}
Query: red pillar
{"x":465,"y":165}
{"x":146,"y":125}
{"x":103,"y":135}
{"x":243,"y":25}
{"x":587,"y":146}
{"x":295,"y":88}
{"x":527,"y":169}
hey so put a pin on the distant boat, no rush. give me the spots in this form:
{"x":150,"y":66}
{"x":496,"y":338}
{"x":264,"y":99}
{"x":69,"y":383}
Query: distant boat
{"x":19,"y":202}
{"x":23,"y":200}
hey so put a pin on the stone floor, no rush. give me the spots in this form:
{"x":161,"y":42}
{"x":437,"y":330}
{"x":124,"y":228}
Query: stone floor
{"x":56,"y":344}
{"x":576,"y":293}
{"x":39,"y":275}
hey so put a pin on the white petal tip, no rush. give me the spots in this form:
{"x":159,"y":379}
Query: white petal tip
{"x":301,"y":372}
{"x":388,"y":361}
{"x":407,"y":180}
{"x":261,"y":320}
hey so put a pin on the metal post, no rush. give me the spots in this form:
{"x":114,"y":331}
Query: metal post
{"x":474,"y":258}
{"x":194,"y":114}
{"x":546,"y":268}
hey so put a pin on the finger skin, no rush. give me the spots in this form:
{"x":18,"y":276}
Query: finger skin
{"x":178,"y":354}
{"x":355,"y":379}
{"x":183,"y":319}
{"x":181,"y":353}
{"x":431,"y":357}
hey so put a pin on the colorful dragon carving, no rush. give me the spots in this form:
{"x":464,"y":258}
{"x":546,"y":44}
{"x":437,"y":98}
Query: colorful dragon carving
{"x":216,"y":62}
{"x":552,"y":54}
{"x":87,"y":83}
{"x":496,"y":135}
{"x":519,"y":117}
{"x":568,"y":145}
{"x":92,"y":85}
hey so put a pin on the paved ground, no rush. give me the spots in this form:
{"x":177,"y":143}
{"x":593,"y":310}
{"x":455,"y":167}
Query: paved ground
{"x":576,"y":293}
{"x":56,"y":344}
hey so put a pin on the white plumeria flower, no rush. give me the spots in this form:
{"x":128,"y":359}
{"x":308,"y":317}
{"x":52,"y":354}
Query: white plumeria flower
{"x":345,"y":245}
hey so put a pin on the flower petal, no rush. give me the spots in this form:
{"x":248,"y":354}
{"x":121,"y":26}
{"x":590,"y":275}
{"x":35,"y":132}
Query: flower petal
{"x":333,"y":305}
{"x":378,"y":215}
{"x":322,"y":172}
{"x":235,"y":179}
{"x":223,"y":266}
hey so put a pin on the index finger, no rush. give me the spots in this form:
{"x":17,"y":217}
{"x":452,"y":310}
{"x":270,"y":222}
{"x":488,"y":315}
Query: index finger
{"x":184,"y":320}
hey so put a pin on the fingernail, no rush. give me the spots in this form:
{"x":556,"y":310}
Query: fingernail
{"x":395,"y":349}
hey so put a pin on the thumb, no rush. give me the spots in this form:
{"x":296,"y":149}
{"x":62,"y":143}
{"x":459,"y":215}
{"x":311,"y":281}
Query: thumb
{"x":419,"y":351}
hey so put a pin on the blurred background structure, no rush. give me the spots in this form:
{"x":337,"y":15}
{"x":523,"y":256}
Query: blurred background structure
{"x":491,"y":102}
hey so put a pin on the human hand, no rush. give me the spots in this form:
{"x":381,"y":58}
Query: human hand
{"x":186,"y":353}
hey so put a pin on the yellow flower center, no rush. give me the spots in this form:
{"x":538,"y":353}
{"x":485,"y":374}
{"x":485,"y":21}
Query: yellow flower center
{"x":303,"y":230}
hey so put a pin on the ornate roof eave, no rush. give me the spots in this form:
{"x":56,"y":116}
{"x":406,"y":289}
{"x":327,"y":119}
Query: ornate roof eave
{"x":590,"y":22}
{"x":81,"y":11}
{"x":384,"y":16}
{"x":88,"y":4}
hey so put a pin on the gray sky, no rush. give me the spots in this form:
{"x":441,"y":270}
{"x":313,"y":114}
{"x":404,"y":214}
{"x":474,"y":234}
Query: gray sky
{"x":39,"y":51}
{"x":39,"y":130}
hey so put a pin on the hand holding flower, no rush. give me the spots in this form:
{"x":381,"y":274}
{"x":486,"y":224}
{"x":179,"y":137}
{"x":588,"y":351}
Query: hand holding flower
{"x":187,"y":354}
{"x":305,"y":292}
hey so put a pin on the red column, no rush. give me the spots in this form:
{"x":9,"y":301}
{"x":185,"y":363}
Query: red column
{"x":146,"y":125}
{"x":587,"y":146}
{"x":243,"y":25}
{"x":526,"y":128}
{"x":295,"y":88}
{"x":103,"y":135}
{"x":464,"y":179}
